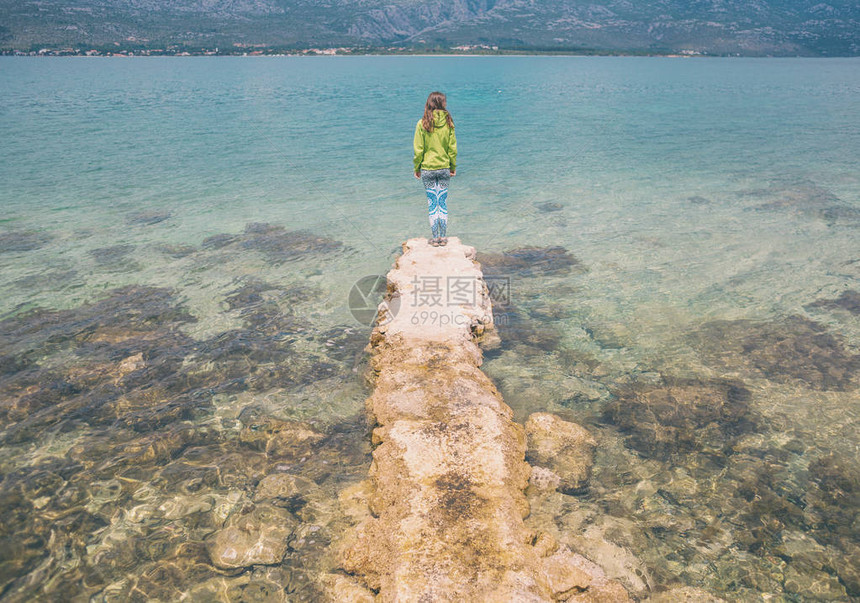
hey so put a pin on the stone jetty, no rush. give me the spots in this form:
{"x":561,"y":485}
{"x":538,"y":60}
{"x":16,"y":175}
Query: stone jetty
{"x":441,"y":516}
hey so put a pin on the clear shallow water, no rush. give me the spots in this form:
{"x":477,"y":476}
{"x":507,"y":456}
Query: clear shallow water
{"x":709,"y":215}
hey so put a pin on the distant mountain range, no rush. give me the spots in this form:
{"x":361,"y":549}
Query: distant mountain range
{"x":745,"y":27}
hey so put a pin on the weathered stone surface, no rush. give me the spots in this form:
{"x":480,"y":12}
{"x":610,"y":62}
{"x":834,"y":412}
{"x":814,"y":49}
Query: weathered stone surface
{"x":565,"y":448}
{"x":563,"y":575}
{"x":445,"y":497}
{"x":600,"y":589}
{"x":344,"y":588}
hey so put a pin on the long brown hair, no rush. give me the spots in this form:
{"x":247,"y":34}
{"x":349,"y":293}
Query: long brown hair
{"x":436,"y":100}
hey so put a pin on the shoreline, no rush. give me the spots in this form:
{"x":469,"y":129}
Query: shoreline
{"x":544,"y":55}
{"x":270,"y":53}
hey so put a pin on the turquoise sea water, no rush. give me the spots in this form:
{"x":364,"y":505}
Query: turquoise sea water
{"x":179,"y":237}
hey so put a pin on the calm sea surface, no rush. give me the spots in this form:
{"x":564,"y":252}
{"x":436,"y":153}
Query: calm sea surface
{"x":179,"y":237}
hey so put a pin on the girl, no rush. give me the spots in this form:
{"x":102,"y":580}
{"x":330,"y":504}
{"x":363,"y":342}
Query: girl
{"x":435,"y":161}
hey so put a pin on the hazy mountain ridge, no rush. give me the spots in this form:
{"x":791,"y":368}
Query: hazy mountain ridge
{"x":753,"y":27}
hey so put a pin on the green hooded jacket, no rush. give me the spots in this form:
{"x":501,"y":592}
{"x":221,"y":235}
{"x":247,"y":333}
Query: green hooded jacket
{"x":437,"y":149}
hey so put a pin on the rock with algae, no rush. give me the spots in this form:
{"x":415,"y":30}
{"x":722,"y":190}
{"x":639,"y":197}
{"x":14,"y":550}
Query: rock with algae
{"x":445,"y":494}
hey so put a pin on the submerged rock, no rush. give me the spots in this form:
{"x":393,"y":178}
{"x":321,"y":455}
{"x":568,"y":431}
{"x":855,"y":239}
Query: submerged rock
{"x":219,"y":241}
{"x":812,"y":585}
{"x":836,"y":499}
{"x":250,"y":294}
{"x":564,"y":448}
{"x":244,"y":587}
{"x":279,"y":439}
{"x":530,"y":261}
{"x":805,"y":198}
{"x":548,"y":207}
{"x":176,"y":251}
{"x":261,"y":355}
{"x":22,"y":240}
{"x":518,"y":329}
{"x":253,"y":293}
{"x":608,"y":335}
{"x":528,"y":323}
{"x":346,"y":588}
{"x":148,"y":217}
{"x":678,"y":416}
{"x":270,"y":310}
{"x":345,"y":344}
{"x":275,"y":242}
{"x":125,"y":313}
{"x":115,"y":256}
{"x":699,"y":200}
{"x":685,"y":594}
{"x":543,"y":480}
{"x":283,"y":486}
{"x":848,"y":300}
{"x":42,"y":280}
{"x":260,"y":537}
{"x":781,"y":350}
{"x":118,"y":356}
{"x":145,"y":470}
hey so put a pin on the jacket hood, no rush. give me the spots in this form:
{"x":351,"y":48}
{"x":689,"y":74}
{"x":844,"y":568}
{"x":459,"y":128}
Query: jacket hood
{"x":439,"y":118}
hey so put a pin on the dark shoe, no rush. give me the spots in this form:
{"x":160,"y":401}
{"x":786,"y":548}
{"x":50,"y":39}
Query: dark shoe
{"x":434,"y":242}
{"x":443,"y":241}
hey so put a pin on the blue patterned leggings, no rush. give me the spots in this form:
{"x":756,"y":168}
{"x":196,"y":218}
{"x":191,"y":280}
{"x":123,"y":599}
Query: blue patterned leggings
{"x":436,"y":184}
